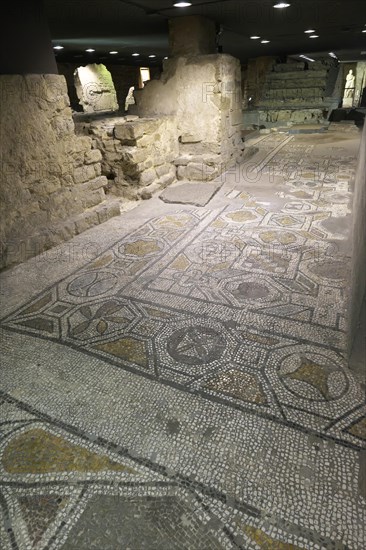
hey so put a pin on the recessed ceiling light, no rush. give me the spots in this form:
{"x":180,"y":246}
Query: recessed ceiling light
{"x":90,"y":50}
{"x":281,"y":5}
{"x":58,"y":47}
{"x":113,"y":53}
{"x":310,"y":31}
{"x":265,"y":41}
{"x":182,"y":4}
{"x":332,"y":54}
{"x":152,"y":55}
{"x":314,"y":36}
{"x":255,"y":37}
{"x":364,"y":30}
{"x":166,"y":57}
{"x":307,"y":58}
{"x":135,"y":54}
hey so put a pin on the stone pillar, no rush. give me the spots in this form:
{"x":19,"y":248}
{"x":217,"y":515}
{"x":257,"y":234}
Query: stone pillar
{"x":192,"y":35}
{"x":25,"y":40}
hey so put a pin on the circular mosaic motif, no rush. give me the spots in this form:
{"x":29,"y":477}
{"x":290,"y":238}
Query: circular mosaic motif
{"x":196,"y":345}
{"x":93,"y":284}
{"x":313,"y":377}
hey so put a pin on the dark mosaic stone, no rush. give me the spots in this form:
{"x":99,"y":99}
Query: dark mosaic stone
{"x":39,"y":323}
{"x":196,"y":345}
{"x":249,"y":290}
{"x":39,"y":304}
{"x":330,"y":269}
{"x":359,"y":429}
{"x":112,"y":522}
{"x":38,"y":512}
{"x":59,"y":309}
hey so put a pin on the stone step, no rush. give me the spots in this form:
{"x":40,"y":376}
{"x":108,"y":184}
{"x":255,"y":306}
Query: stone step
{"x":289,"y":67}
{"x":295,"y":104}
{"x":269,"y":116}
{"x":308,"y":75}
{"x":294,"y":84}
{"x":293,"y":93}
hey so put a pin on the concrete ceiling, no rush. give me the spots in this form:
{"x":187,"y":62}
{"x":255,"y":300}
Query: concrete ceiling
{"x":129,"y":26}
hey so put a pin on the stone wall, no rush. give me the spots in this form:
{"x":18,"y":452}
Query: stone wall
{"x":137,"y":154}
{"x":292,"y":92}
{"x":203,"y":93}
{"x":52,"y":186}
{"x":123,"y":76}
{"x":358,"y":275}
{"x":95,"y":88}
{"x":254,"y":78}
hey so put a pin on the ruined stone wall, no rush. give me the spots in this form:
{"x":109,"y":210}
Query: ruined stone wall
{"x":203,"y":93}
{"x":51,"y":182}
{"x":292,"y":92}
{"x":124,"y":76}
{"x":67,"y":70}
{"x":360,"y":82}
{"x":358,"y":275}
{"x":137,"y":154}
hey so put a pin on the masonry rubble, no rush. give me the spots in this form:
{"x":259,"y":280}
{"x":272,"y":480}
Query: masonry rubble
{"x":137,"y":154}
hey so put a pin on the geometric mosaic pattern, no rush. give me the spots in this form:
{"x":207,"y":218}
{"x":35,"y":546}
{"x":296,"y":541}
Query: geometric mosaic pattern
{"x":192,"y":298}
{"x":242,"y":307}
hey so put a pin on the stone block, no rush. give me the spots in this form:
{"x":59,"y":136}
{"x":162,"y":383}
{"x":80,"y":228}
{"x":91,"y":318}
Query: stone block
{"x":149,"y":125}
{"x":48,"y":186}
{"x":86,"y":220}
{"x":109,"y":145}
{"x":133,"y":155}
{"x":108,"y":210}
{"x":164,"y":169}
{"x":189,"y":138}
{"x":92,"y":185}
{"x":147,"y":177}
{"x":112,"y":157}
{"x":79,"y":144}
{"x":197,"y":172}
{"x":128,"y":132}
{"x":147,"y":192}
{"x":145,"y":141}
{"x":93,"y":198}
{"x":84,"y":173}
{"x":200,"y":148}
{"x":148,"y":164}
{"x":97,"y":169}
{"x":168,"y":179}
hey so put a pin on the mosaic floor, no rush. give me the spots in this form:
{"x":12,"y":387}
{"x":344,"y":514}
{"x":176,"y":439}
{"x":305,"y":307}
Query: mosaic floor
{"x":180,"y":382}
